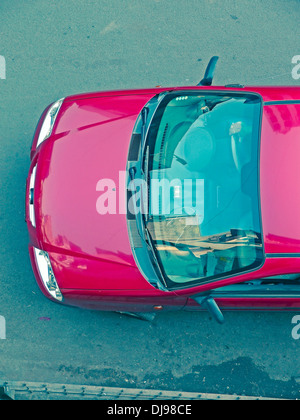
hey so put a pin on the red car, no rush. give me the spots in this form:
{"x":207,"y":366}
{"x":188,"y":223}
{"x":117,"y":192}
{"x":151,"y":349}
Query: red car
{"x":168,"y":198}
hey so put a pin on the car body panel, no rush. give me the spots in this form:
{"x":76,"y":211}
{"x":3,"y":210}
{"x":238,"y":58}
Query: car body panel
{"x":280,"y":175}
{"x":268,"y":93}
{"x":124,"y":300}
{"x":250,"y":303}
{"x":66,"y":194}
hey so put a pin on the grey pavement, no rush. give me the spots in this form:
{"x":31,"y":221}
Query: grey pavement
{"x":53,"y":49}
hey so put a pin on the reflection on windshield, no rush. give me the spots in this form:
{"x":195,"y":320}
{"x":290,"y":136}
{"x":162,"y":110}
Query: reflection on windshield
{"x":203,"y":183}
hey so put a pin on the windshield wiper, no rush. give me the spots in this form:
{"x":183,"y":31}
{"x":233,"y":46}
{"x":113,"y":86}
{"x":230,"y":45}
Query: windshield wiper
{"x":145,"y":113}
{"x":150,"y":245}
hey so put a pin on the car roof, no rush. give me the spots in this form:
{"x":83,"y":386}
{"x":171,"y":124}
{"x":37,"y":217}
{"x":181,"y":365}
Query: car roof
{"x":268,"y":93}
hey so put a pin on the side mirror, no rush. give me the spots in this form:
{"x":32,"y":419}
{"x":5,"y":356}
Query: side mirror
{"x":209,"y":73}
{"x":211,"y":306}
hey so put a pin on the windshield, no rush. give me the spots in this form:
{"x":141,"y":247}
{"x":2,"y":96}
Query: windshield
{"x":203,"y":200}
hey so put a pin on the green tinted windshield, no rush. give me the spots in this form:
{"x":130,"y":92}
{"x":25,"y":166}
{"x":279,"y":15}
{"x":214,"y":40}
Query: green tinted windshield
{"x":202,"y":164}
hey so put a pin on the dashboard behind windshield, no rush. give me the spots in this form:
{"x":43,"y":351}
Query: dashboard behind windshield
{"x":202,"y":171}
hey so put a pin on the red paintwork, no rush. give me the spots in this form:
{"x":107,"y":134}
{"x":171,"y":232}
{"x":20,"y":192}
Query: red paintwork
{"x":91,"y":254}
{"x":246,"y":304}
{"x":280,"y":175}
{"x":68,"y":224}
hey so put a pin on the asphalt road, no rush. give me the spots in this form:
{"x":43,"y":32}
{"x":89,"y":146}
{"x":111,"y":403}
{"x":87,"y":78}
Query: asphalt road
{"x":53,"y":49}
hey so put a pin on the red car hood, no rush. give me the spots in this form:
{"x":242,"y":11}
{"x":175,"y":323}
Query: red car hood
{"x":280,"y":178}
{"x":90,"y":143}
